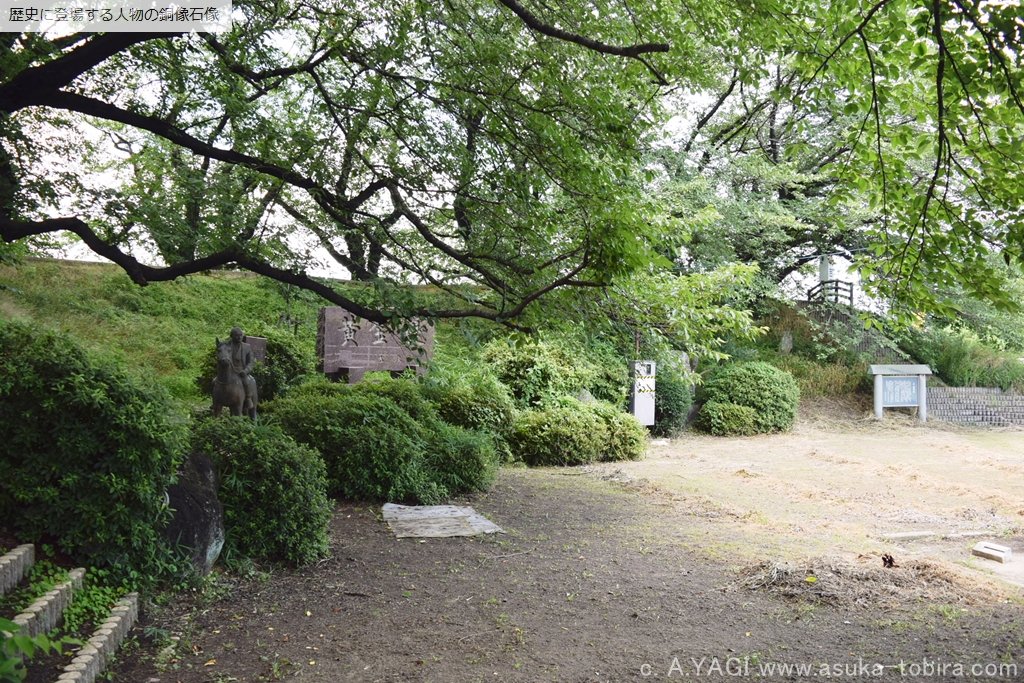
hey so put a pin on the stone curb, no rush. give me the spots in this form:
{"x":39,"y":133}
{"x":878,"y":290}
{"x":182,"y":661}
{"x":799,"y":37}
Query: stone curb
{"x":44,"y":614}
{"x":14,"y":565}
{"x":98,"y":650}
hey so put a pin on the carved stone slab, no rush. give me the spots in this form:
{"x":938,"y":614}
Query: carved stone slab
{"x":259,"y":347}
{"x":348,"y":345}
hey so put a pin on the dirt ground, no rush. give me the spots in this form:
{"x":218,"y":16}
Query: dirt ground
{"x":712,"y":558}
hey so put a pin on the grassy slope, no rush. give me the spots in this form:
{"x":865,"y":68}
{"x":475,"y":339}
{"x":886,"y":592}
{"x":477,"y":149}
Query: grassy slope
{"x":164,"y":329}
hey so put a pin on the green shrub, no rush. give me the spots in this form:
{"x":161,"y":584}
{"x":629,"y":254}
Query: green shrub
{"x":473,"y":398}
{"x":772,"y":393}
{"x":627,"y":438}
{"x":87,"y":453}
{"x":404,"y":392}
{"x":460,"y":460}
{"x":960,"y":359}
{"x":274,"y":491}
{"x":383,"y":439}
{"x":285,"y":366}
{"x":538,"y":370}
{"x":373,"y":449}
{"x":564,"y":434}
{"x":727,"y":419}
{"x":673,"y":398}
{"x":457,"y":460}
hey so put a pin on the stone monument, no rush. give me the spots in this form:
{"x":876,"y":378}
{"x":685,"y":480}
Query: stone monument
{"x":348,"y":347}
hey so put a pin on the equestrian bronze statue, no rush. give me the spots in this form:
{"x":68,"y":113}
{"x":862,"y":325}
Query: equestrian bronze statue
{"x":234,"y":387}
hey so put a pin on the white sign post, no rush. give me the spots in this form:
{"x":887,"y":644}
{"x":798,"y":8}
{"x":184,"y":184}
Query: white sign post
{"x":641,"y":398}
{"x":901,"y":386}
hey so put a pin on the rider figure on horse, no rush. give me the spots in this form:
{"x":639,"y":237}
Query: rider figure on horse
{"x":242,"y":359}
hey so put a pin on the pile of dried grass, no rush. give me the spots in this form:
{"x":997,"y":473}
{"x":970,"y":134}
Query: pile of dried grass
{"x":865,"y":583}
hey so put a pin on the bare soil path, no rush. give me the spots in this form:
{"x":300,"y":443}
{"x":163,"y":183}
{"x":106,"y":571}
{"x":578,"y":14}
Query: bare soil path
{"x":603,"y":576}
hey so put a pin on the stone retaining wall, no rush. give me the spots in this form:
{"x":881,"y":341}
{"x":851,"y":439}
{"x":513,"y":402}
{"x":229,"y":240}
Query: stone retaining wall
{"x":975,"y":405}
{"x":15,"y":565}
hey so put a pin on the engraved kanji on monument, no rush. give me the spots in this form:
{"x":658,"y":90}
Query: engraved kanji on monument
{"x":348,"y":346}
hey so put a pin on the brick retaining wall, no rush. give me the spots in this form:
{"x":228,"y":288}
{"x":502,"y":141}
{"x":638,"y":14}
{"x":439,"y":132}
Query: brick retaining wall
{"x":975,"y":405}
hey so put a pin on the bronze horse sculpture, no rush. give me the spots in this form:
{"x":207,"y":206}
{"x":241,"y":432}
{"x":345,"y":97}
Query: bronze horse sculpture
{"x":229,"y":385}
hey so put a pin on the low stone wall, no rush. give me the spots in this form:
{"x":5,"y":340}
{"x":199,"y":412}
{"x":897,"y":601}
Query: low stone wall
{"x":15,"y":565}
{"x":975,"y":405}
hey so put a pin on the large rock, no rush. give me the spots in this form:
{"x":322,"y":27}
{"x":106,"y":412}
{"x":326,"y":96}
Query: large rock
{"x":198,"y":518}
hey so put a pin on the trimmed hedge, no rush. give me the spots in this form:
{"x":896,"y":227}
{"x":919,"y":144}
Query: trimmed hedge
{"x":627,"y":438}
{"x":460,"y":460}
{"x":566,"y":431}
{"x":771,"y":393}
{"x":274,"y":491}
{"x":727,"y":419}
{"x":383,"y":440}
{"x":87,"y":453}
{"x":373,"y":449}
{"x":474,"y":399}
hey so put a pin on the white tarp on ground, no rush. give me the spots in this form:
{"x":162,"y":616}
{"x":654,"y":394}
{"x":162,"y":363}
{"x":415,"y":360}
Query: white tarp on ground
{"x":437,"y":521}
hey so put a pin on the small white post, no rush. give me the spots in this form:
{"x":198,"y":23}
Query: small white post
{"x":878,"y":397}
{"x":922,"y":393}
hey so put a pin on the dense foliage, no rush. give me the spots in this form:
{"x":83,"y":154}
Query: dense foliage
{"x":559,"y":435}
{"x":673,"y":398}
{"x":771,"y":393}
{"x":373,"y":449}
{"x":87,"y":454}
{"x":383,"y":440}
{"x":273,"y":491}
{"x":728,"y":419}
{"x":627,"y":438}
{"x":537,"y":370}
{"x":961,"y":359}
{"x":566,"y":431}
{"x":469,"y":395}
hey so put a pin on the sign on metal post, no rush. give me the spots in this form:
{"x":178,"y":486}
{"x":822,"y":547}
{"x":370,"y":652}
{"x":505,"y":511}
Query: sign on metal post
{"x":641,"y":398}
{"x":901,"y":386}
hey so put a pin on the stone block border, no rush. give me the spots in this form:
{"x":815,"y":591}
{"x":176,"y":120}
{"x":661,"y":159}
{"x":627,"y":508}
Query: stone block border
{"x":98,"y":650}
{"x":15,"y":565}
{"x":44,"y":614}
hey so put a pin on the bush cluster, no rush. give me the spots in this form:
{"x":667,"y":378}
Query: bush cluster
{"x":727,"y":419}
{"x":566,"y":431}
{"x":673,"y":398}
{"x":383,"y":440}
{"x":961,"y":359}
{"x":87,"y":453}
{"x":474,"y":399}
{"x":772,"y":394}
{"x":273,"y":491}
{"x":536,"y":371}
